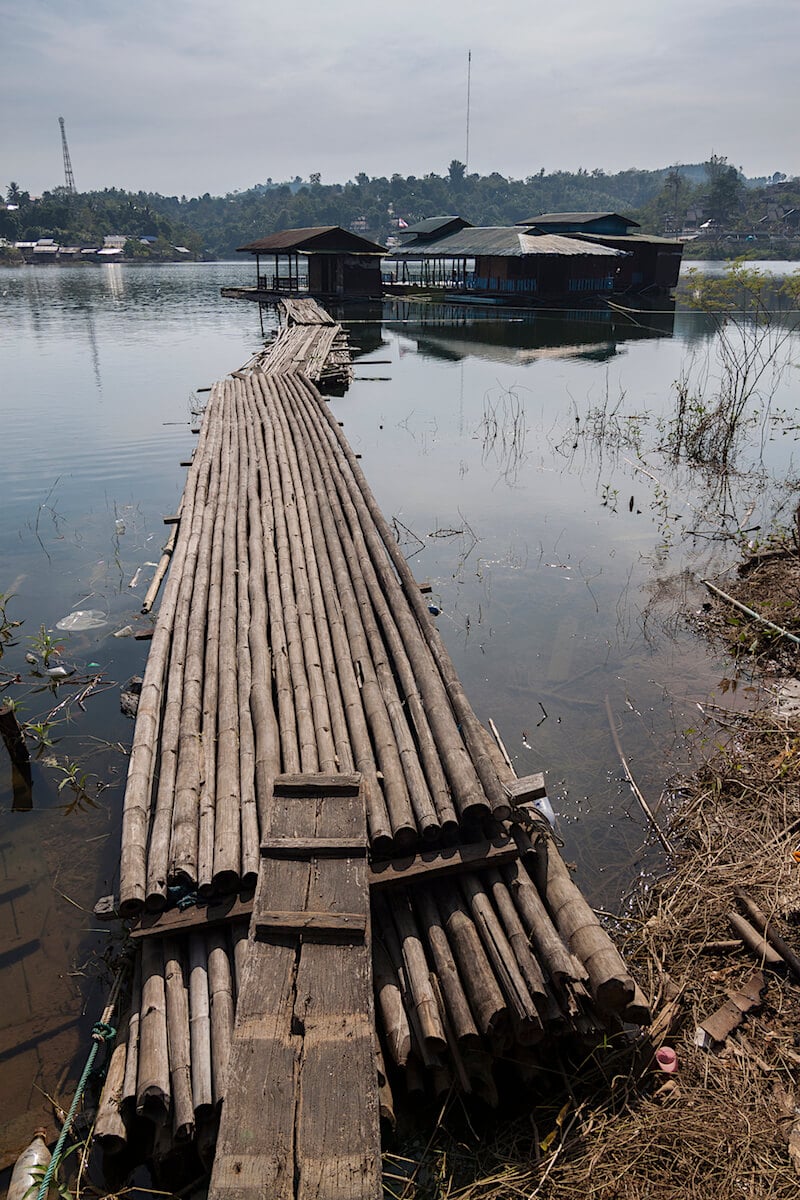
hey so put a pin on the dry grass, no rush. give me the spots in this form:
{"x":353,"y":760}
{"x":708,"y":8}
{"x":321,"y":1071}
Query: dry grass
{"x":719,"y":1130}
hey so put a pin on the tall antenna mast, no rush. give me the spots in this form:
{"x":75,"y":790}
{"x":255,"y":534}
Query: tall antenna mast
{"x":469,"y":82}
{"x":68,"y":176}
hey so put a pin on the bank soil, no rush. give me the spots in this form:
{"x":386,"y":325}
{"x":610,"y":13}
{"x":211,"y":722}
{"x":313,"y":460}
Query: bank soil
{"x":725,"y":1123}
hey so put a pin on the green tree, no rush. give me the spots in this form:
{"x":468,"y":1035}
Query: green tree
{"x":723,"y":191}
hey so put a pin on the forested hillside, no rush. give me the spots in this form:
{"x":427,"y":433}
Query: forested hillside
{"x":213,"y":226}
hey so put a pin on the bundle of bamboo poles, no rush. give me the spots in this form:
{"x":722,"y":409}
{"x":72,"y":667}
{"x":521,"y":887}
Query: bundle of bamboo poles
{"x":467,"y":969}
{"x":291,"y":637}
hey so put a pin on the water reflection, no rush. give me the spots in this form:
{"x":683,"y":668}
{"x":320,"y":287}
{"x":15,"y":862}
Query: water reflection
{"x":451,"y":333}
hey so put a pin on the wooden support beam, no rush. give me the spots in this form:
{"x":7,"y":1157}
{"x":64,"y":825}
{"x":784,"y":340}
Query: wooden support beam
{"x":431,"y":864}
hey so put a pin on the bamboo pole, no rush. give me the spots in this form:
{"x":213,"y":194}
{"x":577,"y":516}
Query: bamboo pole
{"x":251,"y":842}
{"x":153,"y":1084}
{"x":389,"y":1004}
{"x":179,"y":1041}
{"x":265,"y":724}
{"x":542,"y":932}
{"x":200,"y":1028}
{"x":518,"y":940}
{"x":161,"y":570}
{"x":611,"y":984}
{"x":227,"y":821}
{"x":754,"y":941}
{"x":206,"y":830}
{"x":110,"y":1131}
{"x":359,"y":737}
{"x":132,"y":1055}
{"x":220,"y":987}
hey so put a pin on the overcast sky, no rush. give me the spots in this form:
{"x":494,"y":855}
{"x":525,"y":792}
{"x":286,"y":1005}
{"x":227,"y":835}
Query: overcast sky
{"x":216,"y":95}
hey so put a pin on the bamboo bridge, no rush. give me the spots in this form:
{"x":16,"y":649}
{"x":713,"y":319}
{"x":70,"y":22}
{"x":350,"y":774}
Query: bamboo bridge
{"x":343,"y":901}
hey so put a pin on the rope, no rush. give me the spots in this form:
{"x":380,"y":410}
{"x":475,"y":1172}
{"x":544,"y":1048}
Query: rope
{"x":102,"y":1031}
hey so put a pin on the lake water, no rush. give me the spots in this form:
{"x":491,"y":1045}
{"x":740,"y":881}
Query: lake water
{"x":518,"y":455}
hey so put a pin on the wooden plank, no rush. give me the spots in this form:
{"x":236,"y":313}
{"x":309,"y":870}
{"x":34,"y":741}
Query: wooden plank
{"x":302,"y":1121}
{"x":319,"y":925}
{"x":433,"y":864}
{"x":175,"y":920}
{"x":526,"y":788}
{"x":312,"y":848}
{"x":318,"y":785}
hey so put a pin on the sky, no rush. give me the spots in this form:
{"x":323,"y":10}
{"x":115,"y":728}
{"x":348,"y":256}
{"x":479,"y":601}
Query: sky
{"x":184,"y":97}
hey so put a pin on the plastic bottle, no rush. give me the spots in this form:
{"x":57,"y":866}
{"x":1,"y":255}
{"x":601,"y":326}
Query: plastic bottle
{"x":30,"y":1168}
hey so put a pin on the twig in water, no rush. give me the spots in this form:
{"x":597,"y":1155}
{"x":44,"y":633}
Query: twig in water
{"x":645,"y":807}
{"x":751,"y":613}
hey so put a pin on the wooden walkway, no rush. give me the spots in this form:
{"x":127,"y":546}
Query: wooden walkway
{"x":311,"y":343}
{"x":293,"y":655}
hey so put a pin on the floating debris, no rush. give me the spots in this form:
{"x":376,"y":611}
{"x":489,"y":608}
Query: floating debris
{"x":81,"y":619}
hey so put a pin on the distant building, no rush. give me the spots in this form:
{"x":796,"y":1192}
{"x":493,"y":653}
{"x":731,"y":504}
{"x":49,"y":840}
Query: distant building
{"x":324,"y":260}
{"x":503,"y":263}
{"x":653,"y":263}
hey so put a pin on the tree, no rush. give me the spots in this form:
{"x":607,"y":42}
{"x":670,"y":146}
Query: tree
{"x":12,"y":193}
{"x":723,"y":190}
{"x":456,"y":172}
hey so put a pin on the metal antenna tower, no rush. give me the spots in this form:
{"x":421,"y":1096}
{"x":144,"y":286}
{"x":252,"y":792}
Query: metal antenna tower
{"x":469,"y":83}
{"x":68,"y":176}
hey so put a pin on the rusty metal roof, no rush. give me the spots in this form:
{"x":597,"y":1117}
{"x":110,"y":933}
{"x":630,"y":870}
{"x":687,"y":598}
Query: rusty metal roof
{"x":502,"y":241}
{"x":574,"y":218}
{"x":434,"y":224}
{"x":628,"y":239}
{"x":316,"y":239}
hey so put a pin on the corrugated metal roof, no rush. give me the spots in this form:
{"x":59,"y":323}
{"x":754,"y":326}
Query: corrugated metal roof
{"x":630,"y":239}
{"x":502,"y":241}
{"x":431,"y":224}
{"x":575,"y":218}
{"x":330,"y":239}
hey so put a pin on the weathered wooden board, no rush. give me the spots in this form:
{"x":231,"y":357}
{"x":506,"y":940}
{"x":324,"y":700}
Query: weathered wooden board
{"x":430,"y":864}
{"x":301,"y":1122}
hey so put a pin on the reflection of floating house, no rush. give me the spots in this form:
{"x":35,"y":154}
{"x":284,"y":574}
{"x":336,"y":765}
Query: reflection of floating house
{"x":502,"y":263}
{"x":653,"y":263}
{"x":325,"y":260}
{"x":451,"y":332}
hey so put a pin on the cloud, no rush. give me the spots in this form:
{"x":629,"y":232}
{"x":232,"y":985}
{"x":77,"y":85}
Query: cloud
{"x":194,"y":97}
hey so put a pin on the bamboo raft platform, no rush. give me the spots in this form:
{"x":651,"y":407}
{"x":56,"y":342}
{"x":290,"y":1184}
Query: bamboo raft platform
{"x":377,"y":913}
{"x":309,"y":342}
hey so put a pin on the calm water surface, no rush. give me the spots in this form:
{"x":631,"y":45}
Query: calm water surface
{"x":519,"y":459}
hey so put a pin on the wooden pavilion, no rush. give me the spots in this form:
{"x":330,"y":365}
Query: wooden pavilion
{"x":323,"y":260}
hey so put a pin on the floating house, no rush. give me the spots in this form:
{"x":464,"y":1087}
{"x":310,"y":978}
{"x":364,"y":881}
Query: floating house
{"x":503,"y":263}
{"x":653,"y":263}
{"x":324,"y":260}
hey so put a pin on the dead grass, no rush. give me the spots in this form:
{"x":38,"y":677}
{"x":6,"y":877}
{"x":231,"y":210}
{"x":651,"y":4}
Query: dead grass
{"x":719,"y":1128}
